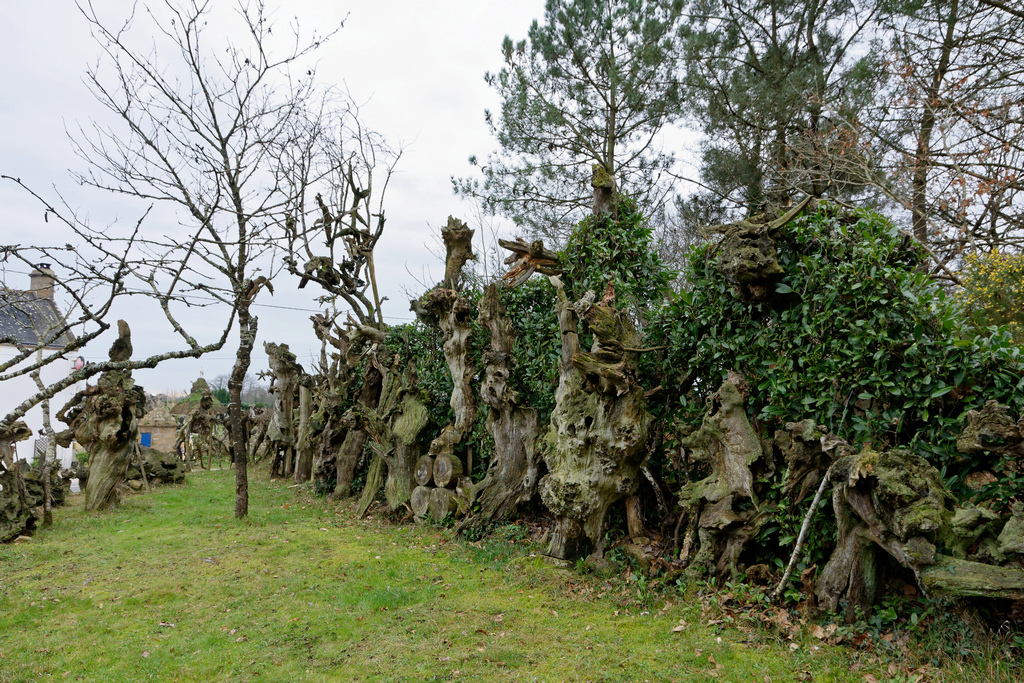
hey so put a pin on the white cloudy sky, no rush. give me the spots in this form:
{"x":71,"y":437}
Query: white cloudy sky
{"x":417,"y":64}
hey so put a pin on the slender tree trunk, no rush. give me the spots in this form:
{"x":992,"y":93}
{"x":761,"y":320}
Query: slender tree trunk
{"x":247,"y":325}
{"x":919,"y":191}
{"x":49,"y":454}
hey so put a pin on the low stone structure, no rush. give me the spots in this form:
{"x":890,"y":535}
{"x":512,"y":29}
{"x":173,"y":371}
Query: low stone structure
{"x":161,"y":428}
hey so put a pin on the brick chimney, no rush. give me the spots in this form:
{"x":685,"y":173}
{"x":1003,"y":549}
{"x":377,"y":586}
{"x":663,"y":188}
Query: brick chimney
{"x":41,"y":281}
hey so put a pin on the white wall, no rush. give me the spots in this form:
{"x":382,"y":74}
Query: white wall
{"x":16,"y":390}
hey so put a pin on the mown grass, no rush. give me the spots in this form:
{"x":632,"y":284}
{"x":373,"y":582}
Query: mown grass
{"x":171,"y":587}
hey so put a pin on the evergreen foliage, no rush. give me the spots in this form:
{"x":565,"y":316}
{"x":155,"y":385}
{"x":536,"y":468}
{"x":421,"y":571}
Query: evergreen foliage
{"x":593,"y":84}
{"x":773,"y":86}
{"x":854,"y":337}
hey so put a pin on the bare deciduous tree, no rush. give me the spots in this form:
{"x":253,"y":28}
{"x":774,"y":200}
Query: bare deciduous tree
{"x":201,"y":123}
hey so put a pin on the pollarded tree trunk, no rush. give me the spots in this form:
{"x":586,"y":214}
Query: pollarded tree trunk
{"x":355,"y":437}
{"x":453,"y":314}
{"x":597,"y":439}
{"x":512,"y":474}
{"x":16,"y":516}
{"x":105,"y":420}
{"x":897,"y":502}
{"x":717,"y":505}
{"x":395,"y":427}
{"x":281,"y":430}
{"x":304,"y":460}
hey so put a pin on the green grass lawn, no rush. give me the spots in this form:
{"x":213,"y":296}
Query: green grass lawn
{"x":172,"y":588}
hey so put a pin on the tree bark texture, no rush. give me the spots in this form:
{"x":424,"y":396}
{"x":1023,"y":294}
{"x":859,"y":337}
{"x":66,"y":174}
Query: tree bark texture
{"x":597,"y":438}
{"x":105,"y":420}
{"x":16,"y":516}
{"x":282,"y":430}
{"x":897,"y":502}
{"x":729,"y":445}
{"x":356,"y":438}
{"x":304,"y":461}
{"x":511,"y":478}
{"x":396,"y":428}
{"x":453,"y":314}
{"x":247,"y":328}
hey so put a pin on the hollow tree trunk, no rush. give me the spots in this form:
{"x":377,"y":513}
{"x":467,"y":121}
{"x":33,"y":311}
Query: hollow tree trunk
{"x":597,"y":438}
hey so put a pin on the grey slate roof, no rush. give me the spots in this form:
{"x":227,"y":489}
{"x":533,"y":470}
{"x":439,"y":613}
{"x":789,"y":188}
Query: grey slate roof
{"x":25,"y":317}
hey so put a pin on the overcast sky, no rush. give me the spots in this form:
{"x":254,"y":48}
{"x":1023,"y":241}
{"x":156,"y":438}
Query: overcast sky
{"x":418,"y":66}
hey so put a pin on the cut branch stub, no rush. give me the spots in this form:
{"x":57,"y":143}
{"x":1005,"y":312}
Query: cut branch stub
{"x":989,"y":429}
{"x":527,"y":259}
{"x":425,"y":470}
{"x":447,"y":470}
{"x":604,"y":190}
{"x":458,"y":244}
{"x":748,"y":260}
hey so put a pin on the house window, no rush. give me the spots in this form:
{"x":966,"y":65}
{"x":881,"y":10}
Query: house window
{"x":147,"y":438}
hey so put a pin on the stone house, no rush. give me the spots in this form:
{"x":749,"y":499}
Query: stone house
{"x":158,"y":429}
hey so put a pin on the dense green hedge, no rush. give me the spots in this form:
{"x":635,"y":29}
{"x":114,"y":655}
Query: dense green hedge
{"x":855,"y":336}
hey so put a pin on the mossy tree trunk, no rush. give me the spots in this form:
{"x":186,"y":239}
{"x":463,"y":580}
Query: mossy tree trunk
{"x":16,"y":515}
{"x":396,"y":428}
{"x":597,"y":438}
{"x":722,"y":508}
{"x":897,"y":502}
{"x":105,"y":420}
{"x":281,"y":431}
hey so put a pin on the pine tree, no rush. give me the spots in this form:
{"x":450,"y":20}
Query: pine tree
{"x":593,"y":85}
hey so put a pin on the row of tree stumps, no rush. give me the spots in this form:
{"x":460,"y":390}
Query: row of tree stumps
{"x":593,"y":447}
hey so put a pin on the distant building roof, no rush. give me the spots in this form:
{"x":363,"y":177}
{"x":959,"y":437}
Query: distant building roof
{"x":26,"y":317}
{"x":158,"y":418}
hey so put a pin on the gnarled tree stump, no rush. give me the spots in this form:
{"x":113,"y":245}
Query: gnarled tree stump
{"x":598,"y":433}
{"x":105,"y":420}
